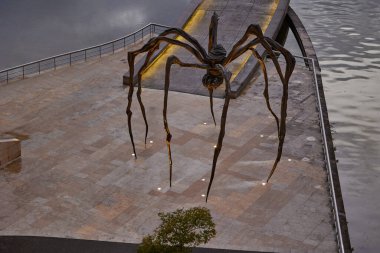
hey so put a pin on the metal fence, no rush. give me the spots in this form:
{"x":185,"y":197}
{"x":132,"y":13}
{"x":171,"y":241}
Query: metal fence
{"x":81,"y":55}
{"x":310,"y":63}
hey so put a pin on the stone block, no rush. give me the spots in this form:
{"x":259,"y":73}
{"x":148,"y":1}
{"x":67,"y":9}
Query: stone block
{"x":10,"y":150}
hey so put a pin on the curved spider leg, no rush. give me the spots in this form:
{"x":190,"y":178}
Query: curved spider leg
{"x":290,"y":65}
{"x":210,"y":91}
{"x":266,"y":91}
{"x":213,"y":32}
{"x":187,"y":37}
{"x":131,"y":60}
{"x":238,"y":50}
{"x":253,"y":29}
{"x":281,"y":127}
{"x":289,"y":58}
{"x":152,"y":43}
{"x":139,"y":90}
{"x":256,"y":30}
{"x":227,"y":77}
{"x":169,"y":62}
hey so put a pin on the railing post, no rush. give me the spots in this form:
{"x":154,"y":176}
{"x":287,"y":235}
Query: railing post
{"x":39,"y":67}
{"x":124,"y":42}
{"x":100,"y":52}
{"x":134,"y":38}
{"x":142,"y":34}
{"x":113,"y":47}
{"x":85,"y":55}
{"x":23,"y":74}
{"x":54,"y":63}
{"x":7,"y":77}
{"x":70,"y":59}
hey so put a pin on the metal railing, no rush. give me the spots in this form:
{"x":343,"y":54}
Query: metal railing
{"x":334,"y":203}
{"x":36,"y":67}
{"x":309,"y":63}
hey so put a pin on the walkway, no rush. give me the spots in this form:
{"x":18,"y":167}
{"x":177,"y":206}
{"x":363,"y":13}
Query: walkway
{"x":77,"y":177}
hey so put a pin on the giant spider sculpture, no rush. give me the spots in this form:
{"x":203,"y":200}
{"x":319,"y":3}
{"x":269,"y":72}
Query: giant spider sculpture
{"x":214,"y":62}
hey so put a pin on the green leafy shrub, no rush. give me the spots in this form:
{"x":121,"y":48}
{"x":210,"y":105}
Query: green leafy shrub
{"x":180,"y":231}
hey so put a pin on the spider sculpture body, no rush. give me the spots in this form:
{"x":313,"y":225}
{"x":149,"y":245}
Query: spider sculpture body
{"x":214,"y":62}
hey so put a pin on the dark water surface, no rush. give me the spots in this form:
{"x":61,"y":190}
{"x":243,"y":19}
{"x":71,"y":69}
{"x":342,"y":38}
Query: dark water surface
{"x":346,"y":36}
{"x":34,"y":29}
{"x":345,"y":33}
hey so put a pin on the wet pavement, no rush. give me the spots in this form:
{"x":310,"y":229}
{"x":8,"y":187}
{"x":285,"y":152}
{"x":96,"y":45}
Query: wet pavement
{"x":78,"y":178}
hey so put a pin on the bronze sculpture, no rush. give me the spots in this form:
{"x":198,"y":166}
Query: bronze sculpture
{"x":214,"y":63}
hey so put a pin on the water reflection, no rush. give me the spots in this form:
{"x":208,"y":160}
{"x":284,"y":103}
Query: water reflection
{"x":31,"y":30}
{"x":346,"y":35}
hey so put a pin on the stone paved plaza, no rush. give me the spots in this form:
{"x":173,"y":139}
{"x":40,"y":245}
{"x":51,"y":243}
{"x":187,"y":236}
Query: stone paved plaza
{"x":77,"y":177}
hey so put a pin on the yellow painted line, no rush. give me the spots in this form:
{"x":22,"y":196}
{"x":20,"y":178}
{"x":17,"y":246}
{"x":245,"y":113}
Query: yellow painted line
{"x":192,"y":26}
{"x":189,"y":27}
{"x":264,"y":27}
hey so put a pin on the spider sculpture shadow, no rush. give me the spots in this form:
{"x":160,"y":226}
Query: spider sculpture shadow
{"x":214,"y":62}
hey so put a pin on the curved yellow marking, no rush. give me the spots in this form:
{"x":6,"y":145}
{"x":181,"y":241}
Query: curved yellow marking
{"x":264,"y":26}
{"x":190,"y":27}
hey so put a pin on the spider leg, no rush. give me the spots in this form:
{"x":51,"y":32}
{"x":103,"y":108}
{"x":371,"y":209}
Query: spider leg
{"x":169,"y":62}
{"x":266,"y":91}
{"x":139,"y":90}
{"x":187,"y":37}
{"x":290,"y":65}
{"x":131,"y":59}
{"x":152,"y":44}
{"x":210,"y":91}
{"x":268,"y":43}
{"x":227,"y":77}
{"x":252,"y":29}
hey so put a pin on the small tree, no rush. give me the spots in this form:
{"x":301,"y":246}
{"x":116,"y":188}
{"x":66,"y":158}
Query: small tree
{"x":179,"y":231}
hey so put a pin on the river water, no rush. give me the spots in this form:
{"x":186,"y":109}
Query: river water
{"x":345,"y":34}
{"x":32,"y":30}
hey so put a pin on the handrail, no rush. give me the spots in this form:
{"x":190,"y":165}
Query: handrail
{"x":339,"y":233}
{"x":327,"y":158}
{"x":83,"y":54}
